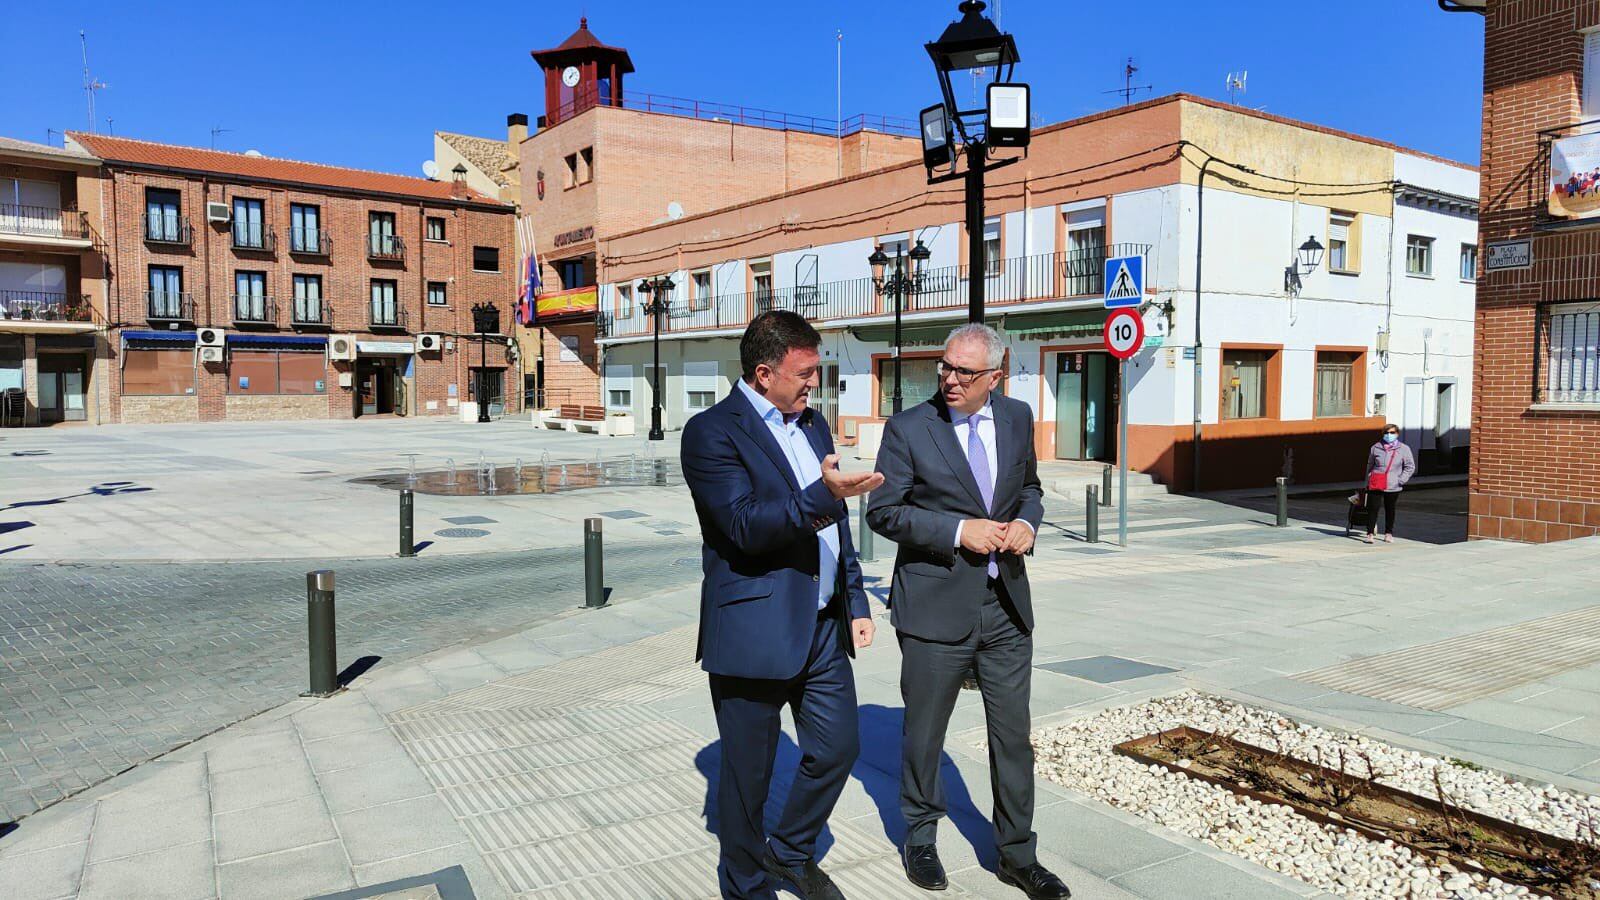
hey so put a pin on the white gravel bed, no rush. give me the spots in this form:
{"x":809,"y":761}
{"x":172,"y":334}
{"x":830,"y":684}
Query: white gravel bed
{"x":1078,"y":755}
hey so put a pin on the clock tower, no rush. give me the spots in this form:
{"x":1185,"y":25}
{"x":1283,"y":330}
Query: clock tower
{"x":580,"y":74}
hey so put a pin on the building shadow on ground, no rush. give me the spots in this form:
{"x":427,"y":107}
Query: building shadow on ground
{"x":1427,"y":514}
{"x":878,"y":771}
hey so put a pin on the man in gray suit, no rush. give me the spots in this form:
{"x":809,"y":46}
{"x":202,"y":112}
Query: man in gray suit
{"x":961,"y":499}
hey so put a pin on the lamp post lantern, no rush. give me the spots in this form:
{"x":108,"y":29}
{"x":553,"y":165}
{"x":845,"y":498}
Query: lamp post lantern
{"x":1309,"y":256}
{"x":974,"y":42}
{"x":485,"y":320}
{"x":659,"y":290}
{"x":904,"y":280}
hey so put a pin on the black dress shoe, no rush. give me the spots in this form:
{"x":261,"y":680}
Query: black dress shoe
{"x":1034,"y":880}
{"x":809,"y":881}
{"x":923,"y":867}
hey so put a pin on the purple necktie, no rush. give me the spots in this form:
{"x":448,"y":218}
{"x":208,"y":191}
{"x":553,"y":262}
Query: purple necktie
{"x":978,"y":459}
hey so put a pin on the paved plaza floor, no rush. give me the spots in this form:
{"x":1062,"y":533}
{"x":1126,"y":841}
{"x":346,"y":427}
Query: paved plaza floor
{"x":497,"y":740}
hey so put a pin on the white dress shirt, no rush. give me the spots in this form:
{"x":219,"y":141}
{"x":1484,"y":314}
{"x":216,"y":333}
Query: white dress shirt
{"x":986,"y":436}
{"x":807,"y":470}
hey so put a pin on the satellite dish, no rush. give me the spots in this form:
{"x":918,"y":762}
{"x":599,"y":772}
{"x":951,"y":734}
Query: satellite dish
{"x":430,"y":168}
{"x":674,"y":210}
{"x":252,"y":153}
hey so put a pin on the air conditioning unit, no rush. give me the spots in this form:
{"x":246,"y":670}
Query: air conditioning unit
{"x":210,"y":354}
{"x":428,"y":343}
{"x":217,"y":212}
{"x":342,"y":346}
{"x":210,"y":337}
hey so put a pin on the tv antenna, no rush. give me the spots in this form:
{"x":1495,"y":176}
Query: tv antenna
{"x":1235,"y":83}
{"x":1129,"y":90}
{"x":90,"y":83}
{"x":216,"y":130}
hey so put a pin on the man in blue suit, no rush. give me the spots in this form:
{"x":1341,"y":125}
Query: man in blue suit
{"x":781,"y":606}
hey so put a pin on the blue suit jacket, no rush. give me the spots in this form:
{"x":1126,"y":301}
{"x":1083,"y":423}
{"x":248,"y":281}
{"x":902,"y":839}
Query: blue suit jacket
{"x":758,"y":603}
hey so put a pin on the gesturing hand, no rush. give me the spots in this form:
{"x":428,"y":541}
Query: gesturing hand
{"x":983,"y":536}
{"x":843,"y":485}
{"x":1019,"y":538}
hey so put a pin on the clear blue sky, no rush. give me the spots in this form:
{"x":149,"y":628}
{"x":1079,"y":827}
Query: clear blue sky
{"x":366,"y":84}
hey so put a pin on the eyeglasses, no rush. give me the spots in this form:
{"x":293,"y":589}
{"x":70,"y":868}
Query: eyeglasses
{"x":964,"y":376}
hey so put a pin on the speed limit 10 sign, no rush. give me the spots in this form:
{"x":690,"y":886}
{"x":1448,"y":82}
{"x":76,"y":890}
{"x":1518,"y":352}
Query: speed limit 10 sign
{"x":1124,"y":333}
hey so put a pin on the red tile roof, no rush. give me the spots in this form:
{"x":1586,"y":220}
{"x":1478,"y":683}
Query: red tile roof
{"x":194,"y":159}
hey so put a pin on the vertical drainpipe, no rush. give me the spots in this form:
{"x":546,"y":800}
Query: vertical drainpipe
{"x":1199,"y":359}
{"x":107,"y":270}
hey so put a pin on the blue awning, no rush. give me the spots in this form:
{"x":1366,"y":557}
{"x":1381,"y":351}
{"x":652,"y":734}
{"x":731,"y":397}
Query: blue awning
{"x":175,"y":337}
{"x":289,"y":341}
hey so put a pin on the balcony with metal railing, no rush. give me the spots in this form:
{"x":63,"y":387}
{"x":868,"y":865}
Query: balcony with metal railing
{"x":254,"y":238}
{"x":254,"y":309}
{"x":311,"y":312}
{"x":46,"y":225}
{"x":386,"y":316}
{"x":309,"y":242}
{"x":44,"y":306}
{"x":386,"y":247}
{"x":1042,"y":277}
{"x":169,"y":230}
{"x":168,"y":306}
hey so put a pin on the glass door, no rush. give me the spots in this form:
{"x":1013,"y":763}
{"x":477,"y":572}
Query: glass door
{"x":1069,"y":405}
{"x":62,"y":381}
{"x":1097,"y":406}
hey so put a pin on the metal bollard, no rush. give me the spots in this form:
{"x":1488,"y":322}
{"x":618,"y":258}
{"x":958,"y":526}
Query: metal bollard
{"x":594,"y":577}
{"x":1283,"y":502}
{"x":408,"y":543}
{"x":1105,"y":487}
{"x":864,"y":543}
{"x":1091,"y":531}
{"x":320,"y":634}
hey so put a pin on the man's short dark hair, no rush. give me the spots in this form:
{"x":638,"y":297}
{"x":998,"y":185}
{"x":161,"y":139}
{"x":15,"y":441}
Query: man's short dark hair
{"x":771,"y":336}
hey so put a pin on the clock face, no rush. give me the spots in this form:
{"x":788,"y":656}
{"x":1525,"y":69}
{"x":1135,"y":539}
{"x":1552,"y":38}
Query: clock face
{"x":570,"y":76}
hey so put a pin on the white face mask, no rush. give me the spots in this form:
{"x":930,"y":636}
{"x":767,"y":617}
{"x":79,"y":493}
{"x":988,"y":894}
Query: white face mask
{"x":1390,"y":438}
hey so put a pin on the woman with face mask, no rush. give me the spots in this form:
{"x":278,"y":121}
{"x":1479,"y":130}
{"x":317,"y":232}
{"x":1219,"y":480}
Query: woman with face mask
{"x":1389,"y":466}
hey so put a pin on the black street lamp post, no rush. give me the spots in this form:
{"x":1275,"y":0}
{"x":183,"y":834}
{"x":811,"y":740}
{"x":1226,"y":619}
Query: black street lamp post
{"x":659,"y":290}
{"x":899,"y":284}
{"x":974,"y":43}
{"x":485,"y":321}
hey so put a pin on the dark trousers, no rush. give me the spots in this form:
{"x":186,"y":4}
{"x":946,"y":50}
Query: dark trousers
{"x":822,"y":699}
{"x":1389,"y":498}
{"x":1001,"y":656}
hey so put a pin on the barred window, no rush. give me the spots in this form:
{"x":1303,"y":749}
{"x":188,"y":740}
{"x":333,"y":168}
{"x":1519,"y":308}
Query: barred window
{"x":1571,"y":359}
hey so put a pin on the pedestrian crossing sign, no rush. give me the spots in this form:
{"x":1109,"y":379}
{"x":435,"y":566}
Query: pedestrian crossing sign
{"x":1124,"y":280}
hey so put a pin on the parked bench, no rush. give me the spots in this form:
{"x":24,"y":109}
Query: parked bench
{"x":577,"y":417}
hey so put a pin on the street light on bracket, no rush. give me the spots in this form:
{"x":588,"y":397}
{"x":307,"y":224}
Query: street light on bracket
{"x":1310,"y":256}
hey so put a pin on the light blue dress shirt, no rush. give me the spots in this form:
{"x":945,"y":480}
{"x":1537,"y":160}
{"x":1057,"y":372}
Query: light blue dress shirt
{"x":807,"y":469}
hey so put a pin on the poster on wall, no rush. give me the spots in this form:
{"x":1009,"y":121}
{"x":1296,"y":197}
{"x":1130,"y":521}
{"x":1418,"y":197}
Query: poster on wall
{"x":1575,"y":177}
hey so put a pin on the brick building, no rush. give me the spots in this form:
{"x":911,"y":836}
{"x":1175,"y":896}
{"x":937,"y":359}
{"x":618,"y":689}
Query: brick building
{"x":52,"y":286}
{"x":604,"y":161}
{"x":1536,"y":413}
{"x":247,"y":287}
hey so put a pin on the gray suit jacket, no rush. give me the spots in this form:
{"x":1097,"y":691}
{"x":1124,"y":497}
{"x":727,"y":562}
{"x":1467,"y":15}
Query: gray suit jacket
{"x":927,"y":489}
